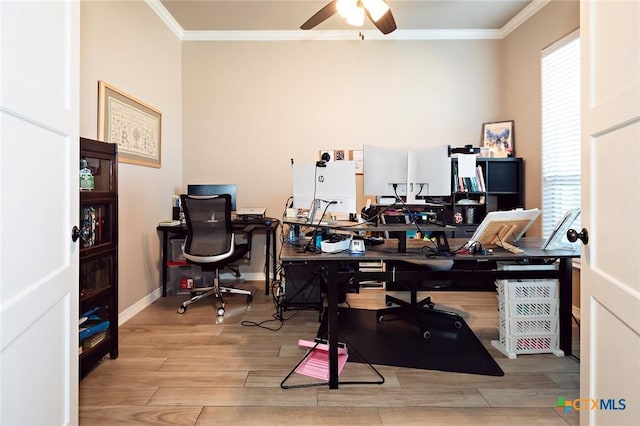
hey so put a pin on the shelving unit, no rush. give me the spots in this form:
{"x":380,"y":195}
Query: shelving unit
{"x":98,"y":256}
{"x":503,"y":190}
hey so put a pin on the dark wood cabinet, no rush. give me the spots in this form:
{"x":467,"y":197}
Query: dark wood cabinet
{"x":98,"y":332}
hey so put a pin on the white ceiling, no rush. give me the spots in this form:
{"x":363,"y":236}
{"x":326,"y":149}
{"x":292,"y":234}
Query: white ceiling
{"x":264,"y":19}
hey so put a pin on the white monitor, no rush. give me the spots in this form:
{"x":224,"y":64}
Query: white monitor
{"x":384,"y":167}
{"x":503,"y":228}
{"x":429,"y":173}
{"x":333,"y":187}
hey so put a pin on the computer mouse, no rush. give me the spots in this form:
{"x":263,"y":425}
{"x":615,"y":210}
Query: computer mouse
{"x":267,"y":222}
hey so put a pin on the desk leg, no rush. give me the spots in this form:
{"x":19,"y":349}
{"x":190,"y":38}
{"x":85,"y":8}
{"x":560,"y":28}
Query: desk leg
{"x":266,"y":261}
{"x":274,"y":248}
{"x":332,"y":318}
{"x":564,"y":311}
{"x":165,"y":255}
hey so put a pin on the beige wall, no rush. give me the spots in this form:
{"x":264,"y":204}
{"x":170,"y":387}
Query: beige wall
{"x":250,"y":107}
{"x":521,"y":83}
{"x":128,"y":46}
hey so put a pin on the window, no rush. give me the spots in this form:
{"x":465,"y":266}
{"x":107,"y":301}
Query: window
{"x":560,"y":130}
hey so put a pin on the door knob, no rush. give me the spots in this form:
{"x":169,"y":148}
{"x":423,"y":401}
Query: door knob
{"x":84,"y":233}
{"x":75,"y":233}
{"x":573,"y":235}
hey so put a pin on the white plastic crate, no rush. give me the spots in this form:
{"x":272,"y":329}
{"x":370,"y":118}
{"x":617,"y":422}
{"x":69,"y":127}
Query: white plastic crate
{"x":527,"y":289}
{"x":528,"y":326}
{"x":511,"y":346}
{"x":529,"y":308}
{"x":528,"y":317}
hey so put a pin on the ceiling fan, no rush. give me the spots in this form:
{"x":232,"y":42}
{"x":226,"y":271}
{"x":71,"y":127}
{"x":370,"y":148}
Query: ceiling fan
{"x":354,"y":11}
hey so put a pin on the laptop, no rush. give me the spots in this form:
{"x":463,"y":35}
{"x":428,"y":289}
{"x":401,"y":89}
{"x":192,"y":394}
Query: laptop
{"x":251,"y":211}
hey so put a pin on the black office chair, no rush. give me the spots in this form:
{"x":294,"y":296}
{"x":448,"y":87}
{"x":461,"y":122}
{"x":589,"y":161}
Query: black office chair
{"x":416,"y":309}
{"x":210,"y":243}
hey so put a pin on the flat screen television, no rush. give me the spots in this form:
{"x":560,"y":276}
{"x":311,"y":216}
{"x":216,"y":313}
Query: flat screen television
{"x":214,"y":189}
{"x":331,"y":188}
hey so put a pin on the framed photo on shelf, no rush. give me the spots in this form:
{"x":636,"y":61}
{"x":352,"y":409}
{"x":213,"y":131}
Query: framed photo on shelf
{"x":131,"y":124}
{"x":499,"y":138}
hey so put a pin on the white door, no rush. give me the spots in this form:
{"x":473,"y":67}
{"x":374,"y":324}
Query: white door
{"x":610,"y":275}
{"x":39,"y":151}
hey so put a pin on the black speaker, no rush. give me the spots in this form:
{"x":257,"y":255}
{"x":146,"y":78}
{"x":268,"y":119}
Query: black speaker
{"x":302,"y":285}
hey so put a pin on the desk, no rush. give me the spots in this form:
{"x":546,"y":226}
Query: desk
{"x":380,"y":227}
{"x":180,"y":231}
{"x":389,"y":252}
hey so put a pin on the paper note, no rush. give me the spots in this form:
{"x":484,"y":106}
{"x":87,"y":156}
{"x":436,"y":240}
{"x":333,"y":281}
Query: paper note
{"x":467,"y":165}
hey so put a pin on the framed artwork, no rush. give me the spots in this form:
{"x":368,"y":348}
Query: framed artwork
{"x":131,"y":124}
{"x":357,"y":157}
{"x":499,"y":138}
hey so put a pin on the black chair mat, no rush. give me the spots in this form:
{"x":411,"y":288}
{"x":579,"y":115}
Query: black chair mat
{"x":399,"y":342}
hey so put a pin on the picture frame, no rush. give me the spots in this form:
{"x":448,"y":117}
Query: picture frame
{"x":131,"y":124}
{"x":499,"y":138}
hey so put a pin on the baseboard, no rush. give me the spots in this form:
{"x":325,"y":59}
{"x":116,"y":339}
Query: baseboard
{"x":132,"y":310}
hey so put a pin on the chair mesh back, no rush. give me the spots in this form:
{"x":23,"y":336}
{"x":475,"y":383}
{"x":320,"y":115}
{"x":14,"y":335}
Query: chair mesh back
{"x":209,"y":228}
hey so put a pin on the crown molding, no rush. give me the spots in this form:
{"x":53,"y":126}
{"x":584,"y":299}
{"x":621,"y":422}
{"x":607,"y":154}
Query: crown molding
{"x":345,"y":35}
{"x":526,"y":13}
{"x":339,"y":35}
{"x":166,"y":17}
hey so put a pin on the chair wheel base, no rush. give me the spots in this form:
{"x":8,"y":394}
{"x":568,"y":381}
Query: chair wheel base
{"x":182,"y":309}
{"x":220,"y":312}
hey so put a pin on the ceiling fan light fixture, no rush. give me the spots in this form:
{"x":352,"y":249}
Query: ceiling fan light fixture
{"x":356,"y":17}
{"x":376,"y":8}
{"x":346,"y":8}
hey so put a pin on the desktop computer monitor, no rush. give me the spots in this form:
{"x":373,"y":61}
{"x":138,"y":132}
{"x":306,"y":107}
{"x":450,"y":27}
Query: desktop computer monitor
{"x":331,"y":188}
{"x":383,"y":168}
{"x":214,"y":189}
{"x":428,"y":174}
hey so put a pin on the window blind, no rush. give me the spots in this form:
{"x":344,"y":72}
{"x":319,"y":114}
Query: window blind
{"x":560,"y":130}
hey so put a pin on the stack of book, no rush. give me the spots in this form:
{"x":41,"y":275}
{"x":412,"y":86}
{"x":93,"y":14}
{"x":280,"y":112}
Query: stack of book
{"x":470,"y":184}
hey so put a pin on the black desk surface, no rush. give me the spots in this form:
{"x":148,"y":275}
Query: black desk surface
{"x":389,"y":251}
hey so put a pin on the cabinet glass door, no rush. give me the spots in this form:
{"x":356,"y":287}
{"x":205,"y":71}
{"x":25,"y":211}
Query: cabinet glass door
{"x":96,"y":220}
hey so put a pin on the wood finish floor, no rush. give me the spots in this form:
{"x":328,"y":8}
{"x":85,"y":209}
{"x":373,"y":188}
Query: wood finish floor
{"x":190,"y":370}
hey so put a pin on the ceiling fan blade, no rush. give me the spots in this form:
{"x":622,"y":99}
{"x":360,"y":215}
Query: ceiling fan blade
{"x":322,"y":15}
{"x":386,"y":24}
